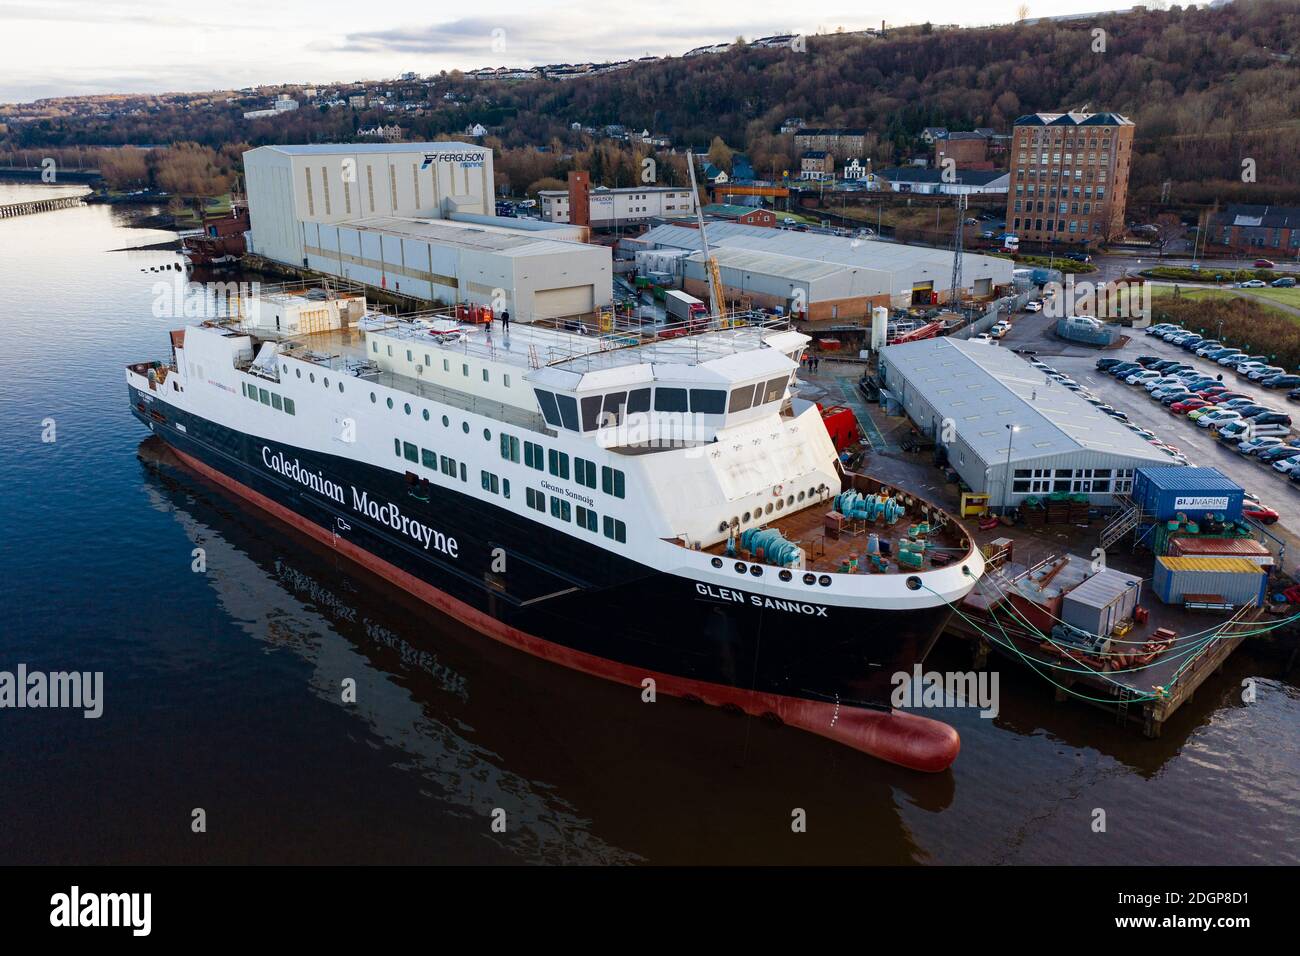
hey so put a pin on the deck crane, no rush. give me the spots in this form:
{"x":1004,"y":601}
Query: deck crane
{"x":717,"y":301}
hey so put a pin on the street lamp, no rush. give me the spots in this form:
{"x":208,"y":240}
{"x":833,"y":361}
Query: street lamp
{"x":1006,"y":480}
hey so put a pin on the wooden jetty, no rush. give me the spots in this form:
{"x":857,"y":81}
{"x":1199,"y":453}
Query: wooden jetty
{"x":27,"y":208}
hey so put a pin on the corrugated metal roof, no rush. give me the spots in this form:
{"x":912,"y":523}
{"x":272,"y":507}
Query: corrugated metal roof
{"x":1223,"y":547}
{"x":481,"y":238}
{"x":918,"y":263}
{"x":1104,"y":588}
{"x":983,"y":387}
{"x":347,"y":149}
{"x":1189,"y":479}
{"x":1227,"y":565}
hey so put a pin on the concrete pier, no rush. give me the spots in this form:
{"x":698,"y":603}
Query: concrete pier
{"x":12,"y":209}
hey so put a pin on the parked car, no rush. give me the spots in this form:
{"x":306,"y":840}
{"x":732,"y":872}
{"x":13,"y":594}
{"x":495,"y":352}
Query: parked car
{"x":1265,"y":264}
{"x":1245,"y":368}
{"x":1183,"y":406}
{"x":1171,"y":395}
{"x":1279,"y":453}
{"x":1268,"y":371}
{"x":1288,"y":464}
{"x":1282,"y":381}
{"x":1125,"y":369}
{"x":1034,"y":306}
{"x":1253,"y":446}
{"x":1285,"y":282}
{"x":1206,"y":346}
{"x":1218,"y":417}
{"x":1108,"y":363}
{"x":1146,"y":361}
{"x":1116,"y":414}
{"x":1251,"y":284}
{"x":1160,"y":329}
{"x":1261,"y":513}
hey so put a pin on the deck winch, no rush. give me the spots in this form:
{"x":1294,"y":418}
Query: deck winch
{"x":854,"y":504}
{"x":776,"y":549}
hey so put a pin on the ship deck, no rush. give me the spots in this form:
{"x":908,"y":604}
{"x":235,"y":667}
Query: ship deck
{"x":846,"y":550}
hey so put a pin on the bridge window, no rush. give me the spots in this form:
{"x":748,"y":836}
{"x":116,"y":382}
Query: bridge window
{"x":708,"y":401}
{"x":590,"y":412}
{"x":670,"y":400}
{"x":638,"y":400}
{"x":550,"y":409}
{"x":772,"y":391}
{"x":741,"y":398}
{"x":568,"y":411}
{"x":612,"y":413}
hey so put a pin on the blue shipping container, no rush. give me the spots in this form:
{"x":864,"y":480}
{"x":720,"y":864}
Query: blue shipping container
{"x":1164,"y":493}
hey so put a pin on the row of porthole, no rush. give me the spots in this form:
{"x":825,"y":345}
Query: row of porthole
{"x":913,"y":582}
{"x":311,"y":376}
{"x":779,"y":505}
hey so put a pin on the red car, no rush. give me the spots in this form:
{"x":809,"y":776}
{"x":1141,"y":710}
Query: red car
{"x":1259,"y":512}
{"x":1188,"y":405}
{"x":1212,"y":390}
{"x":1265,"y":264}
{"x":1222,"y":397}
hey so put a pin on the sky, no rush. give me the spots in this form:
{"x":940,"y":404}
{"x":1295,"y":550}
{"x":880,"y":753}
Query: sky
{"x":67,"y":47}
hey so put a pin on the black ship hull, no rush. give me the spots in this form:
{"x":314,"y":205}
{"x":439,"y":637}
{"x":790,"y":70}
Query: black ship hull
{"x":583,"y":606}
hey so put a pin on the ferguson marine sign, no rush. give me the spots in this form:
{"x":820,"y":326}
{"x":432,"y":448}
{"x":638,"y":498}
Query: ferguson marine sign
{"x":465,"y":159}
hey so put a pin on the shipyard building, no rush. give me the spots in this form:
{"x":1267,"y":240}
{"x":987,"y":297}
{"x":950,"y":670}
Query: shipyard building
{"x":418,"y":219}
{"x":1011,"y":432}
{"x":833,"y":277}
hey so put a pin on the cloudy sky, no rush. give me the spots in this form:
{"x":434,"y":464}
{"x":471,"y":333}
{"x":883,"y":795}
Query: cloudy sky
{"x":60,"y":47}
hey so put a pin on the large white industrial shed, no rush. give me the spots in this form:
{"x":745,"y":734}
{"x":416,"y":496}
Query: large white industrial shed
{"x":454,"y":262}
{"x":418,"y":219}
{"x":820,"y":290}
{"x":911,"y":269}
{"x":1059,"y":442}
{"x":334,"y":182}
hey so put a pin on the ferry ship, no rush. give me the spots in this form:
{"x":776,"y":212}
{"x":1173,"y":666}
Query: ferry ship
{"x":652,"y":506}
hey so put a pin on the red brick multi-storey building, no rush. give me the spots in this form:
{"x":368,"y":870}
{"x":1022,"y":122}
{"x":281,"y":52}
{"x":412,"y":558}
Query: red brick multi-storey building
{"x":1069,"y":177}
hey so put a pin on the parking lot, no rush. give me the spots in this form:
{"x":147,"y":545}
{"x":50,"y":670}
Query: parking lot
{"x":1035,"y":333}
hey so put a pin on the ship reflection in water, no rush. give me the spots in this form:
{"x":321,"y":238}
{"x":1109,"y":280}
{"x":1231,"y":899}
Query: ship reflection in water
{"x":585,"y":771}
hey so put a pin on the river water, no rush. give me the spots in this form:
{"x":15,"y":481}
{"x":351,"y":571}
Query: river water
{"x":220,"y":687}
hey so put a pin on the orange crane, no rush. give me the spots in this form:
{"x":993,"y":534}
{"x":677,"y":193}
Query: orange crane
{"x":718,"y":302}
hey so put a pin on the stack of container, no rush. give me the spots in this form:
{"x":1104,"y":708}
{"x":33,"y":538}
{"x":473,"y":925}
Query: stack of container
{"x":1235,"y":581}
{"x":1192,"y":494}
{"x":1216,"y":547}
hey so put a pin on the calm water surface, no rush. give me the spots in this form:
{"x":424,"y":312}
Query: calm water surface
{"x":221,"y":688}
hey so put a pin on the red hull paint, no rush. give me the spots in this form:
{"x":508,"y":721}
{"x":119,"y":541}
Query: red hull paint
{"x":908,"y":740}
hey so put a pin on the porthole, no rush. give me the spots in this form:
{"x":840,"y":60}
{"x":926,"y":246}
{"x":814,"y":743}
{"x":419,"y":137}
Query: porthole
{"x":284,"y":367}
{"x":740,"y":567}
{"x":779,"y":504}
{"x":965,"y":569}
{"x":768,"y":509}
{"x":810,"y":578}
{"x":745,"y":519}
{"x":790,"y":501}
{"x":298,"y":372}
{"x":913,"y":583}
{"x":425,"y":413}
{"x":756,"y":570}
{"x":801,"y":496}
{"x":340,"y":386}
{"x":372,"y":398}
{"x":326,"y":382}
{"x":445,"y":421}
{"x":824,"y":580}
{"x":785,"y":575}
{"x":716,"y":562}
{"x":722,"y":527}
{"x":312,"y":376}
{"x":464,"y":426}
{"x":406,"y":407}
{"x":390,"y":402}
{"x":487,"y":435}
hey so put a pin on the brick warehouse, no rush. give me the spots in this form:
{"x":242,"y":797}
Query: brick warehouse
{"x":1069,"y":177}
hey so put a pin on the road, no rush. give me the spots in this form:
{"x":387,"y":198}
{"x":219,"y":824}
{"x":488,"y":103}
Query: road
{"x":1035,"y":332}
{"x":1114,"y":266}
